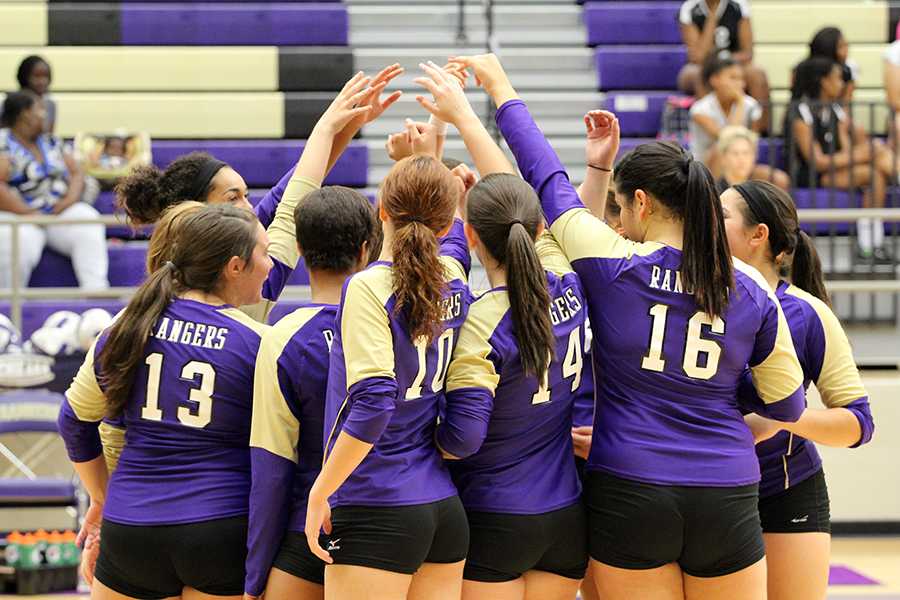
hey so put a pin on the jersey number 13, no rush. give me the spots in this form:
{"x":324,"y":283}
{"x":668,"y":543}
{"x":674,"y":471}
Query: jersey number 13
{"x":201,"y":396}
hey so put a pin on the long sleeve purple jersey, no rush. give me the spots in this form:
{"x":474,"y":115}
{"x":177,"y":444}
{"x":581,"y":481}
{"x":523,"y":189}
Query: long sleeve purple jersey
{"x":187,"y":420}
{"x":384,"y":388}
{"x":511,"y":431}
{"x":286,"y":431}
{"x":827,"y":360}
{"x":666,"y":373}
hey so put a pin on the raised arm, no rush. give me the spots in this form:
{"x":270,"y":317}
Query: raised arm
{"x":600,"y":154}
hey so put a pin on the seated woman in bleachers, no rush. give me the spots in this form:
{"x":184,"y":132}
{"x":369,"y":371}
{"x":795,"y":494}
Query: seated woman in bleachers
{"x":719,"y":28}
{"x":38,"y":176}
{"x":725,"y":105}
{"x":825,"y":150}
{"x":34,"y":75}
{"x":829,"y":42}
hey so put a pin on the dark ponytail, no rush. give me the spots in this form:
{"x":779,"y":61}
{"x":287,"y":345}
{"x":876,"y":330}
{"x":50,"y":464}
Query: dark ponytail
{"x":420,"y":196}
{"x":670,"y":175}
{"x":767,"y":204}
{"x":506,"y":214}
{"x":204,"y":242}
{"x":147,"y":191}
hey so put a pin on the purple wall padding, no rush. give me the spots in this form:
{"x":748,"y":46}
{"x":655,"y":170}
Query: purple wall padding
{"x":632,"y":23}
{"x":216,"y":24}
{"x":262,"y":162}
{"x":639,"y":67}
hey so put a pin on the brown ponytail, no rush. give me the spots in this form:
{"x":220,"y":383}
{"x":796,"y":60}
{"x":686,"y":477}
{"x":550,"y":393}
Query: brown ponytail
{"x":166,"y":232}
{"x":420,"y":196}
{"x":770,"y":205}
{"x":506,"y":214}
{"x":670,"y":174}
{"x":203,"y":244}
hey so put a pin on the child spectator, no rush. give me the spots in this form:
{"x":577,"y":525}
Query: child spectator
{"x":737,"y":147}
{"x":830,"y":43}
{"x":37,"y":176}
{"x":824,"y":149}
{"x":725,"y":105}
{"x":34,"y":75}
{"x":719,"y":28}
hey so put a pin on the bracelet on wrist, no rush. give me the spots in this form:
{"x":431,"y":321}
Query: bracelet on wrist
{"x":604,"y":169}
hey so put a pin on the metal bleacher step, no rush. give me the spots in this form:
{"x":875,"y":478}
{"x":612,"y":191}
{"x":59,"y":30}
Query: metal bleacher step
{"x":516,"y":24}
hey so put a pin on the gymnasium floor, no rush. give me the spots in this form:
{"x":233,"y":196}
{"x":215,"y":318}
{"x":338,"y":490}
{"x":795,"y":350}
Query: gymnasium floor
{"x":866,"y":568}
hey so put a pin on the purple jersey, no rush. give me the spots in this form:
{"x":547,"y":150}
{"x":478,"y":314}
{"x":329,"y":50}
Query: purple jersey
{"x":186,"y":456}
{"x":666,"y":373}
{"x":583,"y":412}
{"x":384,"y":389}
{"x":508,"y":427}
{"x":286,"y":432}
{"x":827,"y":361}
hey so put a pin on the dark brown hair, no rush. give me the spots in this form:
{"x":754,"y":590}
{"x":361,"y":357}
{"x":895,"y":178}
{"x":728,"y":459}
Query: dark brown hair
{"x":332,"y":224}
{"x":204,"y":243}
{"x":147,"y":191}
{"x":612,"y":210}
{"x":506,"y":214}
{"x":770,"y":205}
{"x":420,"y":196}
{"x":165,"y":233}
{"x":670,"y":174}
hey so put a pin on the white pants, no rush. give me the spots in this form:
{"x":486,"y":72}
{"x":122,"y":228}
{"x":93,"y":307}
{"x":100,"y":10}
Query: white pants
{"x":85,"y":244}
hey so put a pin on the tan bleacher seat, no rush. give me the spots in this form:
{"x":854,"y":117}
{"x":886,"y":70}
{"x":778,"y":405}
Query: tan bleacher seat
{"x":174,"y":115}
{"x":782,"y":21}
{"x":23,"y":23}
{"x":165,"y":68}
{"x":779,"y":59}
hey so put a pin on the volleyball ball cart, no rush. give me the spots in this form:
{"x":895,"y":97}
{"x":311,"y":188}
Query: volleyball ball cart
{"x":35,"y":561}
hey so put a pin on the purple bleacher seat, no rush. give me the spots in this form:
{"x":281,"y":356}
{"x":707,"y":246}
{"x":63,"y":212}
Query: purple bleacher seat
{"x":632,"y":23}
{"x":126,"y":267}
{"x":215,"y":24}
{"x":262,"y":162}
{"x":777,"y":147}
{"x":641,"y":67}
{"x":639,"y":113}
{"x":43,"y":490}
{"x":826,"y":198}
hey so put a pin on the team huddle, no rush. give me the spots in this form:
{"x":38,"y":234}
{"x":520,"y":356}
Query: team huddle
{"x":623,"y":411}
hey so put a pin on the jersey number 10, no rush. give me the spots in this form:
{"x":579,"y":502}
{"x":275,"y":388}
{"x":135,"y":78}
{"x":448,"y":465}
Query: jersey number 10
{"x":694,"y":345}
{"x":202,"y":397}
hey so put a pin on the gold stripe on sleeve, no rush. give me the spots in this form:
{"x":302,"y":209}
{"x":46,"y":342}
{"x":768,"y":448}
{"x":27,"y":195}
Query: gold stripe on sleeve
{"x":839,"y":382}
{"x":274,"y":426}
{"x":582,"y":235}
{"x":551,"y":254}
{"x":365,"y":328}
{"x":470,"y":365}
{"x":84,"y":394}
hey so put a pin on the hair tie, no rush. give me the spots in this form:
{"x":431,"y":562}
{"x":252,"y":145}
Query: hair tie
{"x":207,"y":171}
{"x":414,"y":220}
{"x":170,"y":265}
{"x":515,"y":222}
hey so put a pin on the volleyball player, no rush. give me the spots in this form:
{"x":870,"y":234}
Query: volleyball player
{"x":309,"y":172}
{"x":763,"y":231}
{"x":398,"y":529}
{"x":336,"y":227}
{"x":673,"y":478}
{"x":178,"y":364}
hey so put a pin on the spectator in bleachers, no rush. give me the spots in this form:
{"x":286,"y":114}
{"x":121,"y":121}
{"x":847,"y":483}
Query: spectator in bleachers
{"x":737,"y":147}
{"x":830,"y":43}
{"x":824,"y":149}
{"x":726,"y":104}
{"x":34,"y":75}
{"x":38,"y":176}
{"x":719,"y":28}
{"x":892,"y":87}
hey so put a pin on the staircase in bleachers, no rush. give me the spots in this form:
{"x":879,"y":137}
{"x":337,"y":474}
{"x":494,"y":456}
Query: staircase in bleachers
{"x":542,"y":44}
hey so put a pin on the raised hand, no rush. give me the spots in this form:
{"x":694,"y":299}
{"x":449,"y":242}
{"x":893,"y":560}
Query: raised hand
{"x":351,"y":102}
{"x":450,"y":103}
{"x":385,"y":76}
{"x":488,"y":71}
{"x":468,"y":179}
{"x":423,"y":138}
{"x":602,"y":138}
{"x":398,"y":146}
